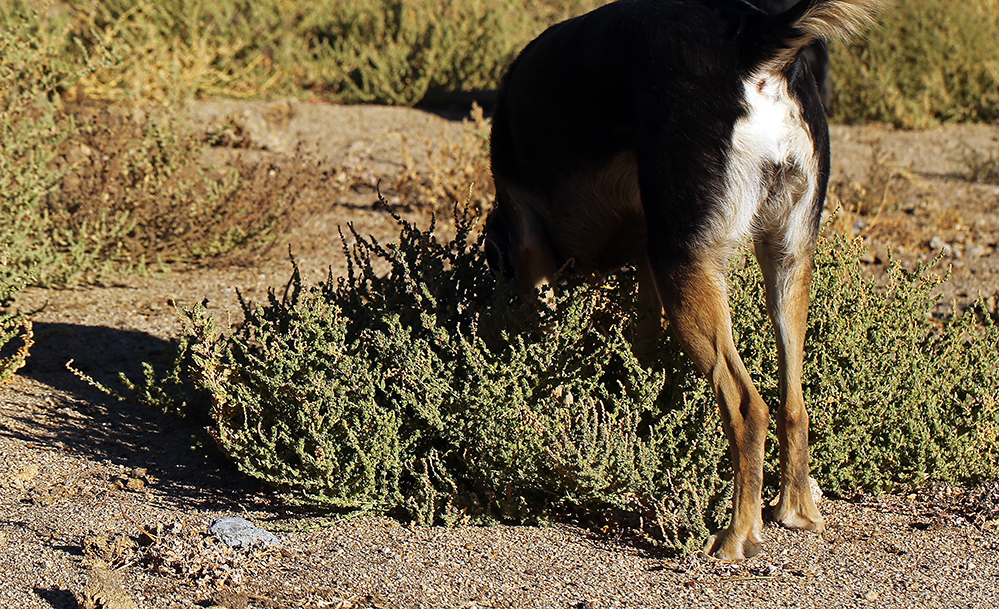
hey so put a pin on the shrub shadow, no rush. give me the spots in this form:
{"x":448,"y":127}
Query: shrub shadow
{"x":102,"y":428}
{"x":57,"y":598}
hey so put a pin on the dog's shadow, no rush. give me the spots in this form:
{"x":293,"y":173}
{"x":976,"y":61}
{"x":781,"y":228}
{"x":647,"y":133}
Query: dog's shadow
{"x":83,"y":420}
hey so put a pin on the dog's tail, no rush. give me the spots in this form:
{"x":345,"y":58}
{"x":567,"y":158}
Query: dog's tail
{"x":779,"y":38}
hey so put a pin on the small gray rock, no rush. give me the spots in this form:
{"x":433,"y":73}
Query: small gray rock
{"x":813,"y":486}
{"x":241,"y":533}
{"x":937,"y":244}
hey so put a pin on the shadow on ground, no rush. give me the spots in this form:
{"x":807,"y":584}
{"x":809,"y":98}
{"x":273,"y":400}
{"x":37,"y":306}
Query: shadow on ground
{"x":101,"y":428}
{"x":58,"y":598}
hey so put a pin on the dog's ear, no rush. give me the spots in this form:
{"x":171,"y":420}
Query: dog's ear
{"x":498,"y":244}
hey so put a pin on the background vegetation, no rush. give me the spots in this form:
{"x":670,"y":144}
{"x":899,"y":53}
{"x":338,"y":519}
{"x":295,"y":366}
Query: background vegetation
{"x":32,"y":241}
{"x":929,"y":61}
{"x":386,"y":51}
{"x":90,"y":188}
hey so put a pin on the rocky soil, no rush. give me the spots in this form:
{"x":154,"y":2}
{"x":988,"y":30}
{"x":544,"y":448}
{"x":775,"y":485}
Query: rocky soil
{"x":104,"y":504}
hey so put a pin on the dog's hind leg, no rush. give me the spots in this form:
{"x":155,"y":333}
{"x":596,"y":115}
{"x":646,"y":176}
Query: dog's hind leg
{"x":696,"y":303}
{"x":788,"y":277}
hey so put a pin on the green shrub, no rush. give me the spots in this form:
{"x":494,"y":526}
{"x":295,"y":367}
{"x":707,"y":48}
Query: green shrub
{"x":396,"y":51}
{"x":40,"y":241}
{"x":386,"y":51}
{"x":930,"y":61}
{"x":896,"y":398}
{"x":86,"y":191}
{"x":140,"y":169}
{"x":431,"y":392}
{"x":29,"y":133}
{"x":16,"y":337}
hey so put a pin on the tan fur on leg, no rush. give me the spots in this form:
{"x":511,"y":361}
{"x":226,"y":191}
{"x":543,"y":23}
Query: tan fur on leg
{"x":699,"y":313}
{"x":787,"y":284}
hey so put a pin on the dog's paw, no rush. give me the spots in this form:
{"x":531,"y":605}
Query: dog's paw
{"x":798,"y":511}
{"x":796,"y":519}
{"x":726,"y":545}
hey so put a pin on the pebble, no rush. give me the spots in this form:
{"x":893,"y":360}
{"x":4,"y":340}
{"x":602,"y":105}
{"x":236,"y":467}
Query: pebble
{"x":815,"y":489}
{"x":241,"y":533}
{"x":937,"y":244}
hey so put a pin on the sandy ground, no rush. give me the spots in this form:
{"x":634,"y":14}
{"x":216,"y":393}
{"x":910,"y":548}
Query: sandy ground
{"x":84,"y":478}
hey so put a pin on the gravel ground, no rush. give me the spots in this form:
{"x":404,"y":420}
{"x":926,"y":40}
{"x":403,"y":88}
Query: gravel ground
{"x":103,"y":504}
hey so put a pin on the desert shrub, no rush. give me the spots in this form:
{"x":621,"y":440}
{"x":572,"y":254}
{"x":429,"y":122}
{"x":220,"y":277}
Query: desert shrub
{"x":387,"y":51}
{"x":396,"y":51}
{"x":896,"y":397}
{"x":457,"y":170}
{"x":431,"y":392}
{"x":880,"y":190}
{"x":930,"y":61}
{"x":174,"y":50}
{"x":29,"y":131}
{"x":36,"y":242}
{"x":24,"y":178}
{"x":88,"y":190}
{"x":143,"y":171}
{"x":428,"y":392}
{"x":16,"y":337}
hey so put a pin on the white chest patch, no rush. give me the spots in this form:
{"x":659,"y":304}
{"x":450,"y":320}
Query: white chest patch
{"x":772,"y":139}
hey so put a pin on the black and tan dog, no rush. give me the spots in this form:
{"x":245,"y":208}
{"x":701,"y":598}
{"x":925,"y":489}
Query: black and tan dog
{"x":667,"y":133}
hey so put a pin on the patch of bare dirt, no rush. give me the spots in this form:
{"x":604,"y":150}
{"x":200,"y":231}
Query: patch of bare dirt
{"x":921,"y":203}
{"x":104,"y":504}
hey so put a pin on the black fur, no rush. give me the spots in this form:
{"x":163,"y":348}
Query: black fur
{"x":660,"y":78}
{"x":815,"y":54}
